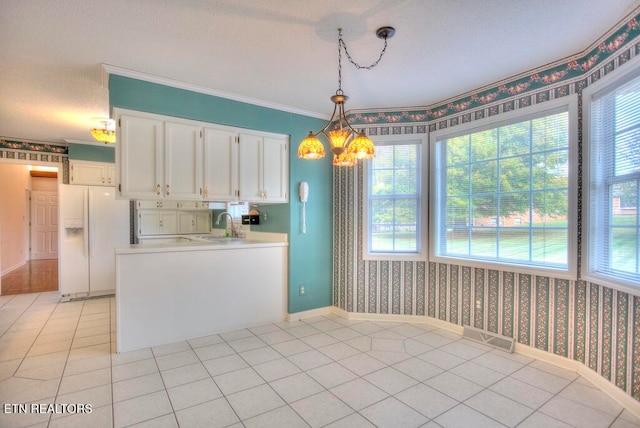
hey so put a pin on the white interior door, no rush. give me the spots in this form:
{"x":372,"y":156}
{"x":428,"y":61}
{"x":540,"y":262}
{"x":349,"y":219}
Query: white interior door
{"x":44,"y":225}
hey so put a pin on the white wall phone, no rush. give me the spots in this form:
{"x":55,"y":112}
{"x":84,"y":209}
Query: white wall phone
{"x":303,"y":190}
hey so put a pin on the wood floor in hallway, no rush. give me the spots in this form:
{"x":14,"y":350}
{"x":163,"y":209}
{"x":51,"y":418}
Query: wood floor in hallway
{"x":35,"y":276}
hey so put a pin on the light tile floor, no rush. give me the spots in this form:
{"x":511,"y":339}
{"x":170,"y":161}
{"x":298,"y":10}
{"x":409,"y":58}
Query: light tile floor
{"x":325,"y":371}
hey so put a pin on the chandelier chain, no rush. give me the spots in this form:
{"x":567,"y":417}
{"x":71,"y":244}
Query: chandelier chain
{"x":340,"y":61}
{"x":342,"y":44}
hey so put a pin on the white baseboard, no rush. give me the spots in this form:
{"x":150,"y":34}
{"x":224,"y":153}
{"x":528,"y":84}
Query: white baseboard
{"x":297,"y":316}
{"x":624,"y":399}
{"x":617,"y":394}
{"x":359,"y":316}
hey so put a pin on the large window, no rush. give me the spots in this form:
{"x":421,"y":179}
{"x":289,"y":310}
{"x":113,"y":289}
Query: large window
{"x":395,"y":203}
{"x":612,"y":130}
{"x":504,"y":190}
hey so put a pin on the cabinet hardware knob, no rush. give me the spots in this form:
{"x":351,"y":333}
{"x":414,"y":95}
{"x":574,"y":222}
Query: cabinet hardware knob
{"x":167,"y":190}
{"x":158,"y":189}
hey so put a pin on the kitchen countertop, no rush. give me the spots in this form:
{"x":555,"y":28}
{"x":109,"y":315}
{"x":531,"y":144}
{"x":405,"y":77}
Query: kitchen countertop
{"x":207,"y":242}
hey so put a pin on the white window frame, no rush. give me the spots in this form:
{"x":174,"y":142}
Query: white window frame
{"x":628,"y":72}
{"x":568,"y":103}
{"x":423,"y":182}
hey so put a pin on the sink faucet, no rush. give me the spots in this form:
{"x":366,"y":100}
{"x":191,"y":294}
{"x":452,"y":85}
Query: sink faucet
{"x":234,"y":231}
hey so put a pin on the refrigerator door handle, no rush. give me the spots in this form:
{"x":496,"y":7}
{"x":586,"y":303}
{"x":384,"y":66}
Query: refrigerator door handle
{"x":85,"y":230}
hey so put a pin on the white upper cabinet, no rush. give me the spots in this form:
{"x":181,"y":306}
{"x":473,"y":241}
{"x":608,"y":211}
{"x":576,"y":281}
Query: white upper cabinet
{"x":275,"y":172}
{"x":220,"y":165}
{"x":182,"y":161}
{"x":250,"y":167}
{"x":92,"y":173}
{"x":139,"y":151}
{"x":161,"y":157}
{"x":263,"y":168}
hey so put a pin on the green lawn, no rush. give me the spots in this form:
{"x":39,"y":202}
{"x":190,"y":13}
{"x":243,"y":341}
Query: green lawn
{"x":548,"y":245}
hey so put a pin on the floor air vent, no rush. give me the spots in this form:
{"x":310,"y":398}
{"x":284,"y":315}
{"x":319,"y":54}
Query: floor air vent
{"x":488,"y":338}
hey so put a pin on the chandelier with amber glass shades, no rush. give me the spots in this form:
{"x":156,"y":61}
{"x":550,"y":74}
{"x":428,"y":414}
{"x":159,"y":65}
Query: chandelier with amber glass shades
{"x":338,"y":131}
{"x":105,"y":133}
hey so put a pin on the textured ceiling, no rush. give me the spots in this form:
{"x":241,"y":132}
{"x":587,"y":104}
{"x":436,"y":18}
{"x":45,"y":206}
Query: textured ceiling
{"x":281,"y":52}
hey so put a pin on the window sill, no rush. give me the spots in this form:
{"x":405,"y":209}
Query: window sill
{"x":610,"y":282}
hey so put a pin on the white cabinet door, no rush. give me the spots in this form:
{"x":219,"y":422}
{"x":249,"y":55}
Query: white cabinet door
{"x":220,"y":165}
{"x":110,"y":169}
{"x":139,"y":151}
{"x":168,"y":222}
{"x":183,"y":161}
{"x":148,"y":223}
{"x":264,"y":168}
{"x":203,"y":221}
{"x":251,"y":168}
{"x":186,"y":222}
{"x":275,"y":163}
{"x":157,"y":222}
{"x":91,"y":173}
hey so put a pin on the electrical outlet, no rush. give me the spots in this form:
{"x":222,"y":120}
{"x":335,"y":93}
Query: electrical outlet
{"x":302,"y":290}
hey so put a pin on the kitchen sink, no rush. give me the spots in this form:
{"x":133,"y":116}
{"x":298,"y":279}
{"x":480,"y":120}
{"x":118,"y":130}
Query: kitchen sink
{"x":212,"y":238}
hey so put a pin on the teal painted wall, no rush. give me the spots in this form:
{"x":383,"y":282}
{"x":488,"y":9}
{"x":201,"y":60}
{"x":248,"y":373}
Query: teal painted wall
{"x":310,"y":254}
{"x":92,"y":153}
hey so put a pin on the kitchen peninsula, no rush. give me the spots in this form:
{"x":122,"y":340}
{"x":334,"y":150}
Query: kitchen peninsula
{"x":186,"y":289}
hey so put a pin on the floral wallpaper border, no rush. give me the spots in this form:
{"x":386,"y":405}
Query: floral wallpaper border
{"x":563,"y":71}
{"x":29,"y":151}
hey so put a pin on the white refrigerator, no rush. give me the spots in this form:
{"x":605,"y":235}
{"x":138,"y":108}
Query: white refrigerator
{"x":93,"y":223}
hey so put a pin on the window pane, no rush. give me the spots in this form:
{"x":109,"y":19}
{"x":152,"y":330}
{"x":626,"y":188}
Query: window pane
{"x":627,"y":153}
{"x":614,"y":148}
{"x":515,"y":139}
{"x":624,"y":247}
{"x":382,"y":182}
{"x":550,"y":170}
{"x":550,"y":132}
{"x":394,"y":199}
{"x":515,"y":193}
{"x":483,"y":243}
{"x":484,"y":210}
{"x":405,"y":213}
{"x":484,"y":177}
{"x":625,"y":201}
{"x":514,"y":209}
{"x":457,"y":240}
{"x":515,"y":173}
{"x":483,"y":145}
{"x":550,"y":208}
{"x":457,"y":212}
{"x":458,"y":150}
{"x":406,"y":181}
{"x":550,"y":246}
{"x":515,"y":244}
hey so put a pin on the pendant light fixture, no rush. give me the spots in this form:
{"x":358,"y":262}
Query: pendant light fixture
{"x":338,"y":131}
{"x":105,"y":134}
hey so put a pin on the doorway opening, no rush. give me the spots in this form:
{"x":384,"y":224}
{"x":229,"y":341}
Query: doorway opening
{"x":28,"y":228}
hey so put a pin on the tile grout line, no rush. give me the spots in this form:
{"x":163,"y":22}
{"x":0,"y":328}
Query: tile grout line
{"x":66,"y":361}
